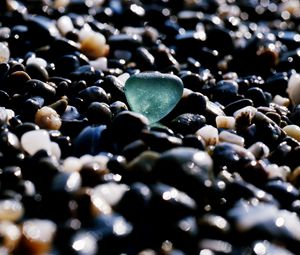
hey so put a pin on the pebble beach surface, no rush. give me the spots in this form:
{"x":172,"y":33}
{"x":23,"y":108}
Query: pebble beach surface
{"x":139,"y":127}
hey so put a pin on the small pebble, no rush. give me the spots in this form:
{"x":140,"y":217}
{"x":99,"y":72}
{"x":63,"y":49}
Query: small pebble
{"x":36,"y":140}
{"x":229,"y":137}
{"x":293,"y":88}
{"x":10,"y":234}
{"x":94,"y":46}
{"x":4,"y":53}
{"x":64,"y":25}
{"x":37,"y":235}
{"x":11,"y":210}
{"x":283,"y":101}
{"x":209,"y":134}
{"x":292,"y":131}
{"x":47,"y":118}
{"x":225,"y":122}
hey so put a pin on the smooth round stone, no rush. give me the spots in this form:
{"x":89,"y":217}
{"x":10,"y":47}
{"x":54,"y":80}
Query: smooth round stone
{"x":36,"y":140}
{"x":94,"y":46}
{"x":38,"y":235}
{"x":293,"y":131}
{"x":11,"y":210}
{"x":4,"y":53}
{"x":293,"y":88}
{"x":111,"y":192}
{"x":209,"y":134}
{"x":153,"y":94}
{"x":47,"y":118}
{"x":10,"y":235}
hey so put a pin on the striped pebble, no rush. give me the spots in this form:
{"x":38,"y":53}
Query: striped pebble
{"x":209,"y":134}
{"x":225,"y":122}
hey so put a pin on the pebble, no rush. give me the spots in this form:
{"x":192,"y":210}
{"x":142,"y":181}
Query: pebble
{"x":4,"y":53}
{"x":229,"y":137}
{"x":94,"y":46}
{"x":42,"y":139}
{"x":11,"y":235}
{"x":211,"y":166}
{"x":37,"y":235}
{"x":209,"y":134}
{"x":11,"y":210}
{"x":292,"y":88}
{"x":47,"y":118}
{"x":292,"y":131}
{"x":64,"y":25}
{"x":159,"y":93}
{"x":225,"y":122}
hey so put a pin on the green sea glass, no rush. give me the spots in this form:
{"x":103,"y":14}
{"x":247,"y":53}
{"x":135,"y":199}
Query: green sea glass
{"x":153,"y":94}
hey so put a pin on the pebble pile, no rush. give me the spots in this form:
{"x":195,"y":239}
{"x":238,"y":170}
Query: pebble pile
{"x":143,"y":127}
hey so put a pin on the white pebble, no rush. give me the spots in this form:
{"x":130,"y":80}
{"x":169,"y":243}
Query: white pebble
{"x":38,"y":235}
{"x":99,"y":204}
{"x":36,"y":140}
{"x":64,"y":25}
{"x":259,"y":150}
{"x":226,"y":122}
{"x":47,"y":118}
{"x":111,"y":192}
{"x":292,"y":131}
{"x":85,"y":32}
{"x":4,"y":53}
{"x":38,"y":61}
{"x":250,"y":110}
{"x":10,"y":234}
{"x":71,"y":164}
{"x":283,"y":101}
{"x":101,"y":160}
{"x":99,"y":63}
{"x":124,"y":77}
{"x":10,"y":114}
{"x":209,"y":134}
{"x":293,"y":88}
{"x":85,"y":159}
{"x":55,"y":150}
{"x":3,"y":115}
{"x":229,"y":137}
{"x":11,"y":210}
{"x":93,"y":45}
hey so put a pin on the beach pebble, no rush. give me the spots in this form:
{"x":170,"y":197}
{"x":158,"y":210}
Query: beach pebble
{"x":209,"y":134}
{"x":4,"y":53}
{"x":47,"y":118}
{"x":293,"y":88}
{"x":11,"y":210}
{"x":94,"y":45}
{"x":36,"y":140}
{"x":292,"y":131}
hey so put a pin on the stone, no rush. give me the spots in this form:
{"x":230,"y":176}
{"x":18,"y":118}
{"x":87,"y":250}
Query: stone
{"x":293,"y":88}
{"x":35,"y":140}
{"x":4,"y":53}
{"x":153,"y":94}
